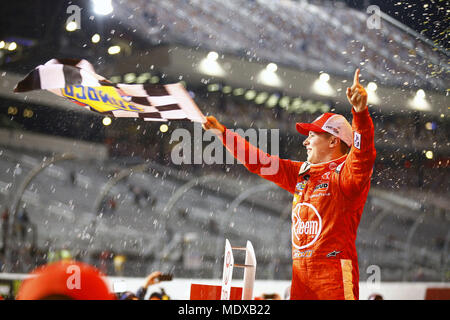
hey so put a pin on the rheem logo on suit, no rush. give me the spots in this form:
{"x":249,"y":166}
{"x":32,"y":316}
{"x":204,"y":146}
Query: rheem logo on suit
{"x":306,"y":228}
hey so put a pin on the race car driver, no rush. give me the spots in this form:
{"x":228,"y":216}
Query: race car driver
{"x":330,"y":189}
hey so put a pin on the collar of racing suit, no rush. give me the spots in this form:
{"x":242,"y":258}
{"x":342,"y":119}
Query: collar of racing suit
{"x":309,"y":169}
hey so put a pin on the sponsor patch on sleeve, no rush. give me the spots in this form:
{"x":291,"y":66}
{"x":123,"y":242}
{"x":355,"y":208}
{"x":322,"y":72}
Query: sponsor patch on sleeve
{"x":357,"y":140}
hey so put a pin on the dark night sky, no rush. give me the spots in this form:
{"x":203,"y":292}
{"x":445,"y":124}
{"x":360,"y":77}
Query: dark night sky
{"x":428,"y":17}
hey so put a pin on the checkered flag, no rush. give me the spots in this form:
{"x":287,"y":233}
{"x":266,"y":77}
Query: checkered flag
{"x":76,"y":80}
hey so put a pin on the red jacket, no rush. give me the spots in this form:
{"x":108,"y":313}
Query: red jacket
{"x":328,"y":202}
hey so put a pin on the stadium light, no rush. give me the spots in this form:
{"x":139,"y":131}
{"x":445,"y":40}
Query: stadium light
{"x":71,"y":26}
{"x":284,"y":102}
{"x":238,"y":91}
{"x":115,"y":79}
{"x":372,"y":86}
{"x":28,"y":113}
{"x":268,"y":76}
{"x":272,"y":101}
{"x":250,"y":94}
{"x":420,"y":94}
{"x":213,"y":87}
{"x":213,"y":56}
{"x":95,"y":38}
{"x":419,"y":102}
{"x":12,"y":110}
{"x":429,"y":154}
{"x":163,"y":128}
{"x":129,"y":77}
{"x":106,"y":121}
{"x":324,"y":77}
{"x":322,"y":87}
{"x":372,"y":96}
{"x":210,"y":66}
{"x":296,"y":105}
{"x":324,"y":108}
{"x":310,"y":106}
{"x":102,"y":7}
{"x":154,"y":79}
{"x":143,"y":77}
{"x":12,"y":46}
{"x":261,"y":97}
{"x":114,"y":50}
{"x":227,"y":89}
{"x":272,"y":67}
{"x":2,"y":44}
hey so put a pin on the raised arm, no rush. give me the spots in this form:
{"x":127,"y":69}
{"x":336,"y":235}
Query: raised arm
{"x":357,"y":169}
{"x":282,"y":172}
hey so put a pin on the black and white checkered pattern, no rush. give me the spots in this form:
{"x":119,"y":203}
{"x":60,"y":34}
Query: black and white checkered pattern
{"x":157,"y":102}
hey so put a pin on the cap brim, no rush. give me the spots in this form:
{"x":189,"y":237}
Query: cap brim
{"x":305,"y":128}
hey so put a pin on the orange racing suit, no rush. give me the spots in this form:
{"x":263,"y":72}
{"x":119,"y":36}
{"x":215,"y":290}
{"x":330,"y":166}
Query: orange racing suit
{"x":328,"y":202}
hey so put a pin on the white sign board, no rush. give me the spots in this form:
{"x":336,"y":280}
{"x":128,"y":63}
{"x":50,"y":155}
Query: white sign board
{"x":228,"y":263}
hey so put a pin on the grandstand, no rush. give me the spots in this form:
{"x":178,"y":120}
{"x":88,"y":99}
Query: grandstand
{"x":118,"y":193}
{"x":291,"y":34}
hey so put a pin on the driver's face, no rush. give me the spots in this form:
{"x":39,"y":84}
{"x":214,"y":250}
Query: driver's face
{"x":317,"y":147}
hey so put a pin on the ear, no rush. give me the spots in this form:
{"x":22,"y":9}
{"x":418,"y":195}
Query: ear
{"x":333,"y":142}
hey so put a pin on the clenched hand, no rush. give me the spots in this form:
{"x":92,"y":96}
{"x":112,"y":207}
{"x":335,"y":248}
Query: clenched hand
{"x":212,"y":123}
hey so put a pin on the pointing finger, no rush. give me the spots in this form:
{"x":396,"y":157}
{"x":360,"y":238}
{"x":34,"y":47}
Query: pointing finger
{"x":356,"y":77}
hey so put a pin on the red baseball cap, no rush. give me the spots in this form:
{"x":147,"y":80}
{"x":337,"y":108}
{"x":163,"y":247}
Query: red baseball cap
{"x":72,"y":279}
{"x":332,"y":123}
